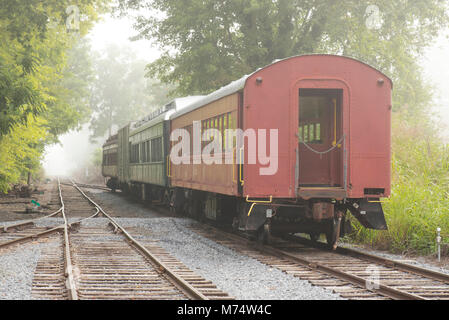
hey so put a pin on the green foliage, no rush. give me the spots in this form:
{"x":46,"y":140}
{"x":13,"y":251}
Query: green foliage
{"x":420,"y":192}
{"x":32,"y":54}
{"x":21,"y":152}
{"x":70,"y":105}
{"x":206,"y":44}
{"x":120,"y":92}
{"x":41,"y":77}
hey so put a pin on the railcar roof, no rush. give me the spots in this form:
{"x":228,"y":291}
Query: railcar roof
{"x":163,"y":113}
{"x":239,"y":84}
{"x":227,"y":90}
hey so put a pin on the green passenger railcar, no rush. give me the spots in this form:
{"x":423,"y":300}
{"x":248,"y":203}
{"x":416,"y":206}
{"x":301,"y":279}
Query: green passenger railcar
{"x":147,"y":163}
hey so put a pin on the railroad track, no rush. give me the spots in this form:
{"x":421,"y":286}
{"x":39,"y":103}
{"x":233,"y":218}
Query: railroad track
{"x":105,"y":261}
{"x":352,"y":274}
{"x":89,"y":186}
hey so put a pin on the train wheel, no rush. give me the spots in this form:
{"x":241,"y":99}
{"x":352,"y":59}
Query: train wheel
{"x":314,"y":236}
{"x":166,"y":199}
{"x":331,"y":234}
{"x":264,"y":234}
{"x":194,"y":208}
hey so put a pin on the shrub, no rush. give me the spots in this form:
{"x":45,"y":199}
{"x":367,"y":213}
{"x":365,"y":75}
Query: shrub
{"x":419,"y":202}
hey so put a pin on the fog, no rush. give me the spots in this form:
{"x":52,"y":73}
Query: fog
{"x":75,"y":149}
{"x":436,"y":69}
{"x":73,"y":153}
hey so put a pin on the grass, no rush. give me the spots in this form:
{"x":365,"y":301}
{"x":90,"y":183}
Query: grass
{"x":419,"y":203}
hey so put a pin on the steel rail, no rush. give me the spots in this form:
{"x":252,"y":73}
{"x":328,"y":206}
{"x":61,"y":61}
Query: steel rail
{"x":31,"y":237}
{"x":88,"y":186}
{"x":312,"y":265}
{"x":162,"y":267}
{"x":361,"y":282}
{"x":28,"y":222}
{"x":431,"y":274}
{"x":45,"y":233}
{"x":50,"y":231}
{"x":68,"y":267}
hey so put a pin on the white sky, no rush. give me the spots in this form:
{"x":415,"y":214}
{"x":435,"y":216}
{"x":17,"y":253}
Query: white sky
{"x":436,"y":71}
{"x":75,"y":148}
{"x":60,"y":159}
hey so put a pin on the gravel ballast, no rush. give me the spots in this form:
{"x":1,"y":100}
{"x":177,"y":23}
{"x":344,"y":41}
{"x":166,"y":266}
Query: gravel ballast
{"x":240,"y":276}
{"x":237,"y":274}
{"x":409,"y":260}
{"x":16,"y":271}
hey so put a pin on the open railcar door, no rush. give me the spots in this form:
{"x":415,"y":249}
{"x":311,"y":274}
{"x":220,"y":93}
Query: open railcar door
{"x":321,"y":143}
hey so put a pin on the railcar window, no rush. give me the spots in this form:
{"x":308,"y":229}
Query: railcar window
{"x":134,"y":156}
{"x":110,"y":159}
{"x":143,"y":152}
{"x":156,"y":150}
{"x":190,"y":131}
{"x":225,"y":127}
{"x":318,"y":132}
{"x":232,"y":126}
{"x":311,"y":132}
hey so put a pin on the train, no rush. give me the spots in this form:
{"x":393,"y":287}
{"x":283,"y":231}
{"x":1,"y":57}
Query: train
{"x":294,"y":147}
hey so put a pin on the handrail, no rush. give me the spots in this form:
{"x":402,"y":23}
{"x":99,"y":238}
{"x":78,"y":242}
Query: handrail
{"x":168,"y":167}
{"x":259,"y":201}
{"x":242,"y":160}
{"x":334,"y":143}
{"x":233,"y":165}
{"x":255,"y":202}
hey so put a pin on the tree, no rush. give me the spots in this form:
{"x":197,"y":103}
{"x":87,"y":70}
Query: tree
{"x":42,"y":80}
{"x":21,"y":152}
{"x":206,"y":44}
{"x":120,"y":92}
{"x":71,"y":91}
{"x":34,"y":42}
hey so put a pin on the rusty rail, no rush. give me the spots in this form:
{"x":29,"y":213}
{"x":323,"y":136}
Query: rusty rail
{"x":70,"y":279}
{"x":28,"y":222}
{"x":163,"y":267}
{"x":321,"y":267}
{"x":88,"y":186}
{"x":438,"y":276}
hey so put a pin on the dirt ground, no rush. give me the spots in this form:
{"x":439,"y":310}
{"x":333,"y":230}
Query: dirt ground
{"x":14,"y":207}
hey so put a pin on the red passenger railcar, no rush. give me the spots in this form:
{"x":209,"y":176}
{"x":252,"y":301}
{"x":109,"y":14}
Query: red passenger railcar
{"x":310,"y":141}
{"x":331,"y":116}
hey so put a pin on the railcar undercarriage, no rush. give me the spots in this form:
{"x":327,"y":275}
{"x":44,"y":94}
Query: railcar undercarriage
{"x":264,"y":219}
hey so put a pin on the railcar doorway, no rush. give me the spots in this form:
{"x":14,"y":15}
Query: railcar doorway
{"x":321,"y":141}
